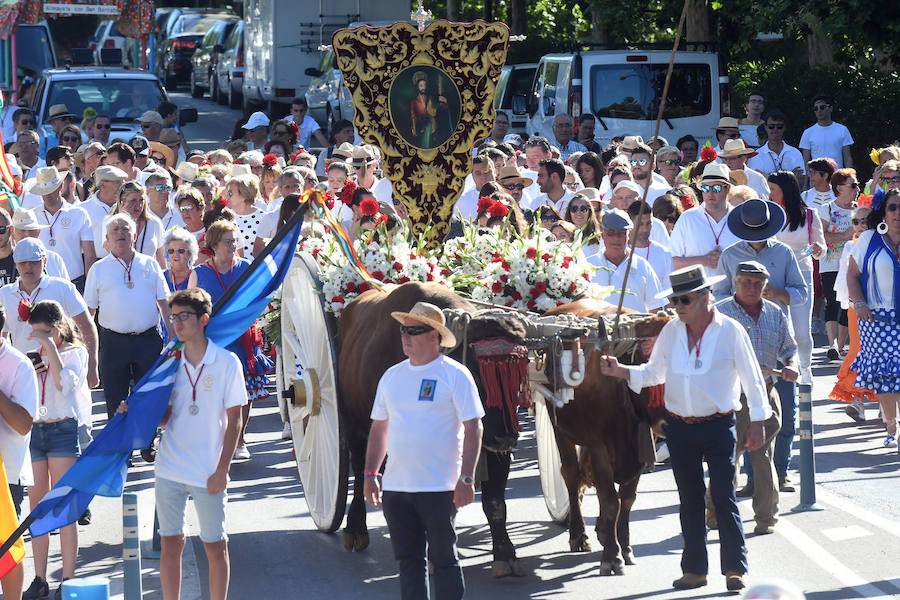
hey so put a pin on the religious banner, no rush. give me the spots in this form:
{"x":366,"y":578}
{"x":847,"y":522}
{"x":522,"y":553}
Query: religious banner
{"x":424,"y":98}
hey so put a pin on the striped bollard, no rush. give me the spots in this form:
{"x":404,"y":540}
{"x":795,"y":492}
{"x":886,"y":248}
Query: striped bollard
{"x":131,"y":546}
{"x":807,"y":451}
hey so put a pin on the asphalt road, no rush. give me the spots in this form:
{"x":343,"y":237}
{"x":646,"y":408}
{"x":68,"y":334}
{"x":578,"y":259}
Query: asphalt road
{"x":214,"y":121}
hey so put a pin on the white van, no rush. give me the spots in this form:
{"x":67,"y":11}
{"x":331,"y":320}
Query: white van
{"x":622,"y":88}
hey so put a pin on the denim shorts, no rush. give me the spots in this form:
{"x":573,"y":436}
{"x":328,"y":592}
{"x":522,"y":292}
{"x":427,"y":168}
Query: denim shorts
{"x":57,"y":440}
{"x":171,"y":504}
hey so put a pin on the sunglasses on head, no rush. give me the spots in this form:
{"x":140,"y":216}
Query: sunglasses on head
{"x":415,"y":329}
{"x":780,"y":126}
{"x":577,"y":209}
{"x":671,"y":162}
{"x":513,"y":186}
{"x":712,"y":188}
{"x":686,"y":299}
{"x":639,"y":161}
{"x":818,"y":107}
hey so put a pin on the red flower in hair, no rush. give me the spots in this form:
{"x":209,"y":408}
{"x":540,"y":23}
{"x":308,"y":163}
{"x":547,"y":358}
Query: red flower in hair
{"x":484,"y":204}
{"x":270,"y":160}
{"x":347,"y":192}
{"x":498,"y":209}
{"x":206,"y":163}
{"x":708,"y":153}
{"x":686,"y":202}
{"x":295,"y":128}
{"x":381,"y":220}
{"x":369,"y":206}
{"x":236,"y":162}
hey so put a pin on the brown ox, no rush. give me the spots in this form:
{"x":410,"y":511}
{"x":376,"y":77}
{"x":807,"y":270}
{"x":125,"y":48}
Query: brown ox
{"x":369,"y":343}
{"x":605,"y":419}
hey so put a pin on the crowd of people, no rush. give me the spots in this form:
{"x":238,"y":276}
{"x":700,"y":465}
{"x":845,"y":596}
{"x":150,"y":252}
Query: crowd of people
{"x":117,"y":241}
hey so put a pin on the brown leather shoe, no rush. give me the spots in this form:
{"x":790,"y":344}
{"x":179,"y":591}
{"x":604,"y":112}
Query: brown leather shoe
{"x":763,"y":529}
{"x":734,"y":581}
{"x":689,"y":581}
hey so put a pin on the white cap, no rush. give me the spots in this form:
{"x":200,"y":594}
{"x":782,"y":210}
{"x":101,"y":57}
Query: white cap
{"x":257,"y":119}
{"x":14,"y":167}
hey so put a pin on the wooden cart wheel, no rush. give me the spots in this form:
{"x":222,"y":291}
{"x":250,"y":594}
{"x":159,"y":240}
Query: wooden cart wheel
{"x":308,"y":380}
{"x":556,"y":495}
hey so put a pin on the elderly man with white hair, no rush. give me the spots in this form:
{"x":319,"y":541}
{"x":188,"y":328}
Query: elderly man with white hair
{"x":127,"y":292}
{"x":562,"y":137}
{"x":158,"y":184}
{"x":104,"y":198}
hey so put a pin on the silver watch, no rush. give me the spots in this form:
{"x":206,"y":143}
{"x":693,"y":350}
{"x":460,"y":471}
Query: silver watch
{"x":467,"y":479}
{"x":859,"y":304}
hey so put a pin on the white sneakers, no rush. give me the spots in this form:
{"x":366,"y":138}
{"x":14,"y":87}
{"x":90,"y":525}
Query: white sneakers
{"x":856,"y":411}
{"x":286,"y":433}
{"x":890,"y":442}
{"x":241,"y":453}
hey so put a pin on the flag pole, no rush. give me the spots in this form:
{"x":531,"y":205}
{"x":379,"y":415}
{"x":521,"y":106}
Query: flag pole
{"x":9,"y":543}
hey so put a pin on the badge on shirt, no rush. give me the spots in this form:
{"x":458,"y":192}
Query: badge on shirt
{"x":426,"y":391}
{"x":66,"y":222}
{"x":208,"y":381}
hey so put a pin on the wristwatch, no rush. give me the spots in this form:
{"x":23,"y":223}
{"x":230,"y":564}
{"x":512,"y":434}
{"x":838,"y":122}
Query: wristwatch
{"x":859,"y":304}
{"x":467,"y":479}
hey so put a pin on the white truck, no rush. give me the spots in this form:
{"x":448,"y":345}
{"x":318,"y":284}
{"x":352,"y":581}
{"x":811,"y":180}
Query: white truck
{"x":282,"y":39}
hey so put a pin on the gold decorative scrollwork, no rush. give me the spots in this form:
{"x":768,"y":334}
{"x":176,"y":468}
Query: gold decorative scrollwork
{"x":425,"y":131}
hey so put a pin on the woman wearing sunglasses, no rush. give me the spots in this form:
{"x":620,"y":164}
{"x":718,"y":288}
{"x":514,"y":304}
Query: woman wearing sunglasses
{"x":148,"y":238}
{"x":580,"y":213}
{"x":871,"y":281}
{"x":668,"y":164}
{"x":837,"y":225}
{"x":181,"y":250}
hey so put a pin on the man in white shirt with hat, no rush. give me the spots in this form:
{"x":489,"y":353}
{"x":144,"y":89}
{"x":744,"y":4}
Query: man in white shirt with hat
{"x":151,"y":125}
{"x":258,"y":126}
{"x":26,"y":225}
{"x":728,"y":129}
{"x":99,"y":204}
{"x":58,"y":117}
{"x":515,"y":183}
{"x":702,"y":232}
{"x":705,"y":359}
{"x":736,"y":155}
{"x":68,"y":230}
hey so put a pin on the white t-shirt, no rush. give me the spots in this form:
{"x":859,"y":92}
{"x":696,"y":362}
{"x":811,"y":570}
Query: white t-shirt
{"x":660,"y":259}
{"x":150,"y":237}
{"x":655,"y":190}
{"x":190,"y":449}
{"x":467,"y":206}
{"x":307,"y":128}
{"x":74,"y":400}
{"x":826,"y":142}
{"x":543,"y":199}
{"x":695,"y":234}
{"x":768,"y":161}
{"x":19,"y":383}
{"x":643,"y":284}
{"x":883,"y":268}
{"x":97,"y":211}
{"x":425,"y":407}
{"x":48,"y":288}
{"x":66,"y":229}
{"x":835,"y":220}
{"x":123,"y":309}
{"x":748,"y":134}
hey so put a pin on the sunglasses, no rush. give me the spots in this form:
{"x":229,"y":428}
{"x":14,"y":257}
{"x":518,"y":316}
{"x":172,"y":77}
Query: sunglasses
{"x":730,"y":136}
{"x":894,"y":179}
{"x":639,"y":161}
{"x":686,"y":299}
{"x":513,"y":186}
{"x":99,"y":126}
{"x":28,"y":122}
{"x":176,"y":250}
{"x":669,"y":162}
{"x":772,"y":127}
{"x":159,"y":187}
{"x":70,"y":139}
{"x":571,"y":184}
{"x":4,"y":229}
{"x":415,"y":329}
{"x":185,"y":209}
{"x":548,"y":217}
{"x":858,"y":221}
{"x":712,"y":188}
{"x":819,"y":107}
{"x":891,"y":207}
{"x":577,"y":209}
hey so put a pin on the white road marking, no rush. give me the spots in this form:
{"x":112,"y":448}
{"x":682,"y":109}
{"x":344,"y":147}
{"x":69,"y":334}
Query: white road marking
{"x":831,"y":564}
{"x":857,"y":511}
{"x":842,"y":534}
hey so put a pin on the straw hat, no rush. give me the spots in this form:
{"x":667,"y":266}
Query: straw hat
{"x":362,"y":156}
{"x":432,"y":316}
{"x":735,"y":148}
{"x":511,"y":174}
{"x":187,"y":171}
{"x":47,"y":181}
{"x":342,"y":153}
{"x":716,"y":173}
{"x":165,"y":151}
{"x":170,"y":137}
{"x":24,"y":219}
{"x":58,"y":111}
{"x":240,"y":169}
{"x":727,"y":123}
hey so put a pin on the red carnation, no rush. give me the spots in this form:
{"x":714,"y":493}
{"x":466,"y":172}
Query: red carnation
{"x":539,"y":288}
{"x":347,"y":192}
{"x":709,"y":154}
{"x":403,"y":279}
{"x":316,"y":252}
{"x":545,"y":257}
{"x":586,"y":276}
{"x":573,"y":287}
{"x":270,"y":160}
{"x":378,"y":275}
{"x":351,"y":287}
{"x":484,"y":204}
{"x":531,"y":253}
{"x":566,"y":260}
{"x":236,"y":162}
{"x":24,"y":309}
{"x":505,"y":266}
{"x":515,"y":295}
{"x":369,"y":206}
{"x":532,"y":305}
{"x":497,"y":287}
{"x":429,"y":277}
{"x":337,"y":299}
{"x":686,"y":202}
{"x":295,"y":128}
{"x":498,"y":209}
{"x":504,"y":278}
{"x":329,"y":200}
{"x":445,"y":272}
{"x":381,"y":220}
{"x":397,"y":266}
{"x":365,"y":286}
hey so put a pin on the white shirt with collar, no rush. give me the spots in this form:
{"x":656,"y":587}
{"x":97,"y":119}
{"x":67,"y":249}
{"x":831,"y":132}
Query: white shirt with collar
{"x":727,"y":364}
{"x":31,"y":172}
{"x":643,"y":284}
{"x":190,"y":450}
{"x":466,"y":207}
{"x":695,"y":234}
{"x":768,"y":161}
{"x":55,"y":266}
{"x":64,"y":233}
{"x":97,"y":211}
{"x":123,"y":309}
{"x":171,"y":219}
{"x":48,"y":288}
{"x":543,"y":199}
{"x":757,"y":183}
{"x":660,"y":259}
{"x":19,"y":383}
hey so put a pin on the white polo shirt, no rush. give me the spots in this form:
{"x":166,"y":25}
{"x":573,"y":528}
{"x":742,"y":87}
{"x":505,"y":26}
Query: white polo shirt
{"x":55,"y":266}
{"x":65,"y":231}
{"x":171,"y":219}
{"x":643,"y":284}
{"x":123,"y":309}
{"x":466,"y":207}
{"x":768,"y":161}
{"x":48,"y":288}
{"x":150,"y":237}
{"x":190,"y":450}
{"x":660,"y":259}
{"x":97,"y":211}
{"x":695,"y":234}
{"x":19,"y":383}
{"x":543,"y":199}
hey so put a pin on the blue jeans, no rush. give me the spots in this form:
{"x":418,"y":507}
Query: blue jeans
{"x":420,"y":521}
{"x":17,"y":491}
{"x":690,"y":444}
{"x":801,"y":321}
{"x":784,"y":441}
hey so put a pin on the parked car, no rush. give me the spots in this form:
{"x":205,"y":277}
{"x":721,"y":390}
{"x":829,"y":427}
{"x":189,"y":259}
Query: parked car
{"x":226,"y":85}
{"x":186,"y":35}
{"x":165,"y":22}
{"x":327,"y":96}
{"x":123,"y":94}
{"x":105,"y":36}
{"x":515,"y":80}
{"x":206,"y":56}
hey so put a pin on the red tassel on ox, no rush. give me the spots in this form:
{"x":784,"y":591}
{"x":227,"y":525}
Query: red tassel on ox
{"x":503,"y":366}
{"x":657,"y":396}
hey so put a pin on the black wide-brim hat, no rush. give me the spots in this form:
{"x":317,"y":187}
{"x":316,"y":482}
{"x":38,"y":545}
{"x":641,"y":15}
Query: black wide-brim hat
{"x":687,"y":280}
{"x":756,"y":220}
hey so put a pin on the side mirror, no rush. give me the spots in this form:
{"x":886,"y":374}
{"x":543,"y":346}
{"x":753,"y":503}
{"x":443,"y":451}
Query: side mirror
{"x":219,"y":49}
{"x":187,"y":115}
{"x":519,"y":106}
{"x":313,"y":72}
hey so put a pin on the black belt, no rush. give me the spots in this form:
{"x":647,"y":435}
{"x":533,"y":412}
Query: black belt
{"x":146,"y":332}
{"x":704,"y":419}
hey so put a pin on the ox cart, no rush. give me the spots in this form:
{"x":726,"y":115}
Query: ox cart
{"x":307,"y":379}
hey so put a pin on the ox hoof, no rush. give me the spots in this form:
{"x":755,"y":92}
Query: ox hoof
{"x":580,"y":544}
{"x":629,"y":558}
{"x":355,"y":542}
{"x":505,"y":568}
{"x":615,"y":567}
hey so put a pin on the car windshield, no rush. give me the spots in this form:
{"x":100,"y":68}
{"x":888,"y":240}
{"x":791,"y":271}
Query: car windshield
{"x":195,"y":23}
{"x":633,"y":91}
{"x":121,"y":99}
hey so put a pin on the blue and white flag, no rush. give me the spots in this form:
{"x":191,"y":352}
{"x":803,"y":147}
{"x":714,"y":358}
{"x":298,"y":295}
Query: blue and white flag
{"x":102,"y":468}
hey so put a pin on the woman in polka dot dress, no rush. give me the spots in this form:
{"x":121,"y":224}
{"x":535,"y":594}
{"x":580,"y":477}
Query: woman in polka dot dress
{"x":242,"y":193}
{"x":873,"y":274}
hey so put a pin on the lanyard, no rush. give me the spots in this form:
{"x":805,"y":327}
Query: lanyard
{"x":143,"y":236}
{"x":26,"y":303}
{"x":47,"y":218}
{"x":193,"y":383}
{"x":177,"y":286}
{"x":212,"y":266}
{"x":713,"y":231}
{"x":127,"y":267}
{"x":697,"y":362}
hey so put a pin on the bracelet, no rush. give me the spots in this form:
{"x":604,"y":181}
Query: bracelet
{"x":369,"y":474}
